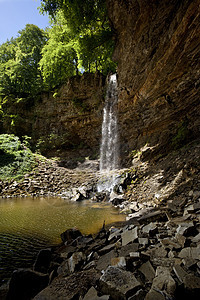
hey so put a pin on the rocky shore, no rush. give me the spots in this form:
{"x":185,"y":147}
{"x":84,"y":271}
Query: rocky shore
{"x":155,"y":254}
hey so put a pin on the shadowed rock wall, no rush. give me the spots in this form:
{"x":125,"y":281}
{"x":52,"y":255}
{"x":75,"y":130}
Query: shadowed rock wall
{"x":157,"y":50}
{"x":66,"y":122}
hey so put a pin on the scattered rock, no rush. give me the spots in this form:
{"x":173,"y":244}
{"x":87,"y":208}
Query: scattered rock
{"x":129,"y":236}
{"x":148,"y":271}
{"x":118,"y":283}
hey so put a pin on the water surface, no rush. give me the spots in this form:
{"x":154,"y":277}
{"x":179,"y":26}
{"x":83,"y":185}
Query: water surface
{"x":30,"y":224}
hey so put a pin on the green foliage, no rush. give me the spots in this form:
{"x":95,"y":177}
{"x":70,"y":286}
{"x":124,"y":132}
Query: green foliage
{"x":52,"y":142}
{"x":58,"y":55}
{"x":16,"y":159}
{"x":135,"y":154}
{"x":80,"y":40}
{"x":181,"y":136}
{"x":19,"y":58}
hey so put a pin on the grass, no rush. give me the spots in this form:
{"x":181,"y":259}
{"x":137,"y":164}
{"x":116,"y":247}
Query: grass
{"x":16,"y":159}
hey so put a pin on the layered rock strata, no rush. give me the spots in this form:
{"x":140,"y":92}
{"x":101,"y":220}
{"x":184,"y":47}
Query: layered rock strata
{"x":157,"y":50}
{"x":65,"y":122}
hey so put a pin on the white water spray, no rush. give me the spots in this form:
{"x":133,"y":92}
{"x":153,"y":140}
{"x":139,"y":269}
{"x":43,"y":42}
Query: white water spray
{"x":109,"y":153}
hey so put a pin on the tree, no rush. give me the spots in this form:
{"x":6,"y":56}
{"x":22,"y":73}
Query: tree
{"x":58,"y":55}
{"x":87,"y":32}
{"x":19,"y":58}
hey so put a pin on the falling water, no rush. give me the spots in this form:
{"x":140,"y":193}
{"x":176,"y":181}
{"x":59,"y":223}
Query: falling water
{"x":109,"y":157}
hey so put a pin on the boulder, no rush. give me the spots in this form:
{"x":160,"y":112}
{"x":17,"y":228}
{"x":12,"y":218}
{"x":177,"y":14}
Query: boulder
{"x":74,"y":286}
{"x":117,"y":283}
{"x":70,"y":234}
{"x":164,"y":281}
{"x":43,"y":261}
{"x":148,"y":271}
{"x":75,"y":261}
{"x":105,"y":260}
{"x":25,"y":284}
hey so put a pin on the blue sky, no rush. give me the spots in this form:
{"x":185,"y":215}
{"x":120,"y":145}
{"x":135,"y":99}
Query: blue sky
{"x":15,"y":14}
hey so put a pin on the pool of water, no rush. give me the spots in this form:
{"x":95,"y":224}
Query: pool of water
{"x":30,"y":224}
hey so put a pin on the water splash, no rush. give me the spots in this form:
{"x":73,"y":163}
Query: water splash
{"x":109,"y":151}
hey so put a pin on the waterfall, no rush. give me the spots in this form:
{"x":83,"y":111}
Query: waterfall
{"x":109,"y":154}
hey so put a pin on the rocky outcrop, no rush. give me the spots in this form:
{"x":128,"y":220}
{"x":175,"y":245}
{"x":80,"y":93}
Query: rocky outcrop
{"x":50,"y":179}
{"x":157,"y":50}
{"x":143,"y":259}
{"x":65,"y":122}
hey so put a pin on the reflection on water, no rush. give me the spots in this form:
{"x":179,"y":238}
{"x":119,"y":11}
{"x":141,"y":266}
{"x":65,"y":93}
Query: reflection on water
{"x":30,"y":224}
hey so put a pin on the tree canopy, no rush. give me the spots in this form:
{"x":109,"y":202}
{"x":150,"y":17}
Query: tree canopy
{"x":19,"y":58}
{"x":79,"y":40}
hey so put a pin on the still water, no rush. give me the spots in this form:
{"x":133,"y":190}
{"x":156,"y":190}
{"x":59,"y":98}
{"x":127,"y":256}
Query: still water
{"x":30,"y":224}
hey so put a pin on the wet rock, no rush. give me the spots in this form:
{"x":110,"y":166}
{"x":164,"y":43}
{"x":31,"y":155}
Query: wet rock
{"x":114,"y":234}
{"x":25,"y":284}
{"x":43,"y":261}
{"x":117,"y":201}
{"x":75,"y":261}
{"x":70,"y":234}
{"x":67,"y":251}
{"x":118,"y":283}
{"x":4,"y":291}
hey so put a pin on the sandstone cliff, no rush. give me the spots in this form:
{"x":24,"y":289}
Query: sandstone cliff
{"x":65,"y":122}
{"x":157,"y":50}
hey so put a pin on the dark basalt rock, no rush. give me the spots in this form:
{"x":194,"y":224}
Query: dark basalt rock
{"x":25,"y":284}
{"x":43,"y":261}
{"x":70,"y":234}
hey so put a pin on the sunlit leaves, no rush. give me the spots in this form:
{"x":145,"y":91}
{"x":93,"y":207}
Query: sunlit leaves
{"x":19,"y":58}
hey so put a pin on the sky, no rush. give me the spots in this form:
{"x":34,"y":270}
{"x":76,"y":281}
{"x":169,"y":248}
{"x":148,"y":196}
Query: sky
{"x":15,"y":14}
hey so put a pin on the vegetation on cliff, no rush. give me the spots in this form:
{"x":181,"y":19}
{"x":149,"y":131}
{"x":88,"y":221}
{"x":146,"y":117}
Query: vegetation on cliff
{"x":16,"y":159}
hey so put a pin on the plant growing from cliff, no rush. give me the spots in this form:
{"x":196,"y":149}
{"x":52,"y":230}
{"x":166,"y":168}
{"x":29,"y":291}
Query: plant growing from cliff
{"x":181,"y":135}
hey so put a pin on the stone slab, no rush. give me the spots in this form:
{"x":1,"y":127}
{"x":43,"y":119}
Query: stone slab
{"x":148,"y":271}
{"x":119,"y":284}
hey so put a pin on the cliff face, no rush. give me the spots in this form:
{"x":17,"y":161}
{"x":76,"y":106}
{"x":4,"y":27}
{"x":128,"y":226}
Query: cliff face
{"x":157,"y":50}
{"x":66,"y":122}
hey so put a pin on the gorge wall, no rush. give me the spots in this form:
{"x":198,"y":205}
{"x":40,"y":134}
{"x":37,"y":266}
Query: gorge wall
{"x":66,"y":122}
{"x":157,"y":50}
